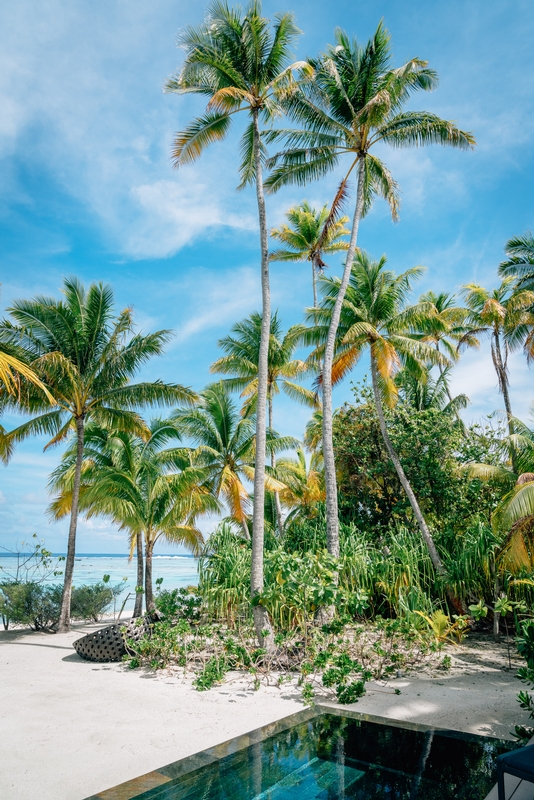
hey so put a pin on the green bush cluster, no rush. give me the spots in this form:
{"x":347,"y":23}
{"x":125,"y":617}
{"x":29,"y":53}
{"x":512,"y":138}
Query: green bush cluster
{"x":38,"y":604}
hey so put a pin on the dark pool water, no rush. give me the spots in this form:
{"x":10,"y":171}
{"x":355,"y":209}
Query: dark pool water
{"x":333,"y":757}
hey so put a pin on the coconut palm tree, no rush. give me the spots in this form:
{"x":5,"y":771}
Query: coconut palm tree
{"x":353,"y":104}
{"x":430,"y":392}
{"x":224,"y":443}
{"x":86,"y":357}
{"x":304,"y":485}
{"x":241,"y":361}
{"x":241,"y":63}
{"x":148,"y":488}
{"x":375,"y":316}
{"x":520,"y":261}
{"x":502,"y":315}
{"x":308,"y":235}
{"x":103,"y":449}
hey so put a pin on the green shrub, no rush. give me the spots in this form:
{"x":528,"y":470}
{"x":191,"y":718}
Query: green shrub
{"x":178,"y":604}
{"x":30,"y":603}
{"x":38,"y":605}
{"x":91,"y":602}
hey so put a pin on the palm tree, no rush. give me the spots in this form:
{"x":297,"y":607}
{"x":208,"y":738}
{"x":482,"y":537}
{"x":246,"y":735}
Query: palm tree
{"x":241,"y":64}
{"x":225,"y":448}
{"x":374,"y":315}
{"x":149,"y":489}
{"x":241,"y":361}
{"x":520,"y":261}
{"x":85,"y":356}
{"x":103,"y":449}
{"x":430,"y":392}
{"x":354,"y":103}
{"x":304,"y":485}
{"x":310,"y":235}
{"x":502,"y":314}
{"x":445,"y":328}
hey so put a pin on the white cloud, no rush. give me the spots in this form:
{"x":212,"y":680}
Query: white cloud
{"x":176,"y":213}
{"x":214,"y":302}
{"x":86,"y":104}
{"x":475,"y":376}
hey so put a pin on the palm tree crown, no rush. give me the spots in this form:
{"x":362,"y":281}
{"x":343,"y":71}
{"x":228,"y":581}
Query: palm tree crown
{"x":242,"y":357}
{"x":240,"y":65}
{"x":225,"y":447}
{"x":520,"y":261}
{"x":375,"y":315}
{"x":308,"y":235}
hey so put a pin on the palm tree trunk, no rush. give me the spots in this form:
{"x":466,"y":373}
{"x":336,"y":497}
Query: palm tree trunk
{"x":138,"y":607}
{"x":64,"y":614}
{"x":246,"y":532}
{"x":149,"y":594}
{"x":314,"y":284}
{"x":457,"y":603}
{"x":501,"y":368}
{"x":332,"y":521}
{"x":278,"y":506}
{"x":262,"y":623}
{"x":421,"y":522}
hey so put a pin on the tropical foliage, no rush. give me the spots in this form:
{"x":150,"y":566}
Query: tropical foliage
{"x":394,"y":525}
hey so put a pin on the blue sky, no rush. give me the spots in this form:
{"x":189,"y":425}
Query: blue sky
{"x":87,"y":188}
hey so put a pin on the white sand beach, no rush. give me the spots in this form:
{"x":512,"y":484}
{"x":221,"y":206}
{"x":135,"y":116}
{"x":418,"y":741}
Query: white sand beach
{"x":71,"y":728}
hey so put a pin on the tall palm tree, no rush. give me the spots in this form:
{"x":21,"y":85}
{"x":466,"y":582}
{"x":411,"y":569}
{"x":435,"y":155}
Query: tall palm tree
{"x":241,"y":64}
{"x":225,"y":448}
{"x":354,"y":103}
{"x":241,"y":361}
{"x":375,"y":316}
{"x":501,"y":314}
{"x":308,"y":235}
{"x":148,"y":488}
{"x":520,"y":261}
{"x":86,"y":357}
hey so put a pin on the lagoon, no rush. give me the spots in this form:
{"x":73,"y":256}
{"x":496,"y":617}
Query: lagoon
{"x":89,"y":568}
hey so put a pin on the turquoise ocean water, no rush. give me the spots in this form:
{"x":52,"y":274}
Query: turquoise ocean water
{"x":176,"y":571}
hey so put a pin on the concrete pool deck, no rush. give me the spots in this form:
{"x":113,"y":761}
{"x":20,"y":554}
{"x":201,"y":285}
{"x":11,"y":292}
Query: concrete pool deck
{"x":71,"y":729}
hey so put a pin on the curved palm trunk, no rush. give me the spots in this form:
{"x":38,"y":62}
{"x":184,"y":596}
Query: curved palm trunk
{"x":500,"y":364}
{"x":278,"y":505}
{"x":332,"y":521}
{"x":456,"y":602}
{"x":421,"y":522}
{"x":149,"y":594}
{"x":262,"y":623}
{"x":64,"y":614}
{"x":138,"y":608}
{"x":246,"y":532}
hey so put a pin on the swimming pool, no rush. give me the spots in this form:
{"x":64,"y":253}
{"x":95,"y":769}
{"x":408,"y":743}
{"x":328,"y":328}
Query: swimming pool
{"x":329,"y":754}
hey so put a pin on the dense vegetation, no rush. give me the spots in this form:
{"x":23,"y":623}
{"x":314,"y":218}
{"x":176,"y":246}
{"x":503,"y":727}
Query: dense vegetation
{"x":391,"y":510}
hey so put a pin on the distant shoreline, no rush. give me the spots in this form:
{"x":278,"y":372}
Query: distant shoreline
{"x":98,"y":555}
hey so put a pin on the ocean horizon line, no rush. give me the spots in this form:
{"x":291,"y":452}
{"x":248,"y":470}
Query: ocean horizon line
{"x":98,"y":555}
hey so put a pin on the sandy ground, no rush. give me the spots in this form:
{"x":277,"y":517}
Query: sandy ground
{"x":70,"y":728}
